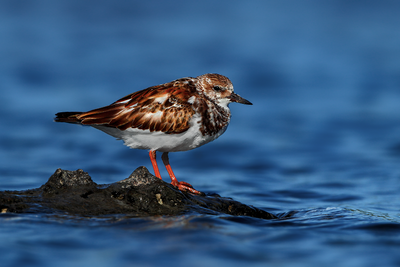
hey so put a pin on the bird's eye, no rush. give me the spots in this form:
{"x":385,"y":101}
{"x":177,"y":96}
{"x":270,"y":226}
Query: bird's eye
{"x":217,"y":88}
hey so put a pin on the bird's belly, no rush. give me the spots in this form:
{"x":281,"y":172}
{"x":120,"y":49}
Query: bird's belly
{"x":159,"y":141}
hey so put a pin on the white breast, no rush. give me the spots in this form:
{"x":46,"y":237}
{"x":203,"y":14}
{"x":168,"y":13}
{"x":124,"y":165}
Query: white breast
{"x":159,"y":141}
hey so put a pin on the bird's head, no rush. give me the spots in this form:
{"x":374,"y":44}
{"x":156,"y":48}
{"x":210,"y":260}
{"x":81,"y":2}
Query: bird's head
{"x":220,"y":89}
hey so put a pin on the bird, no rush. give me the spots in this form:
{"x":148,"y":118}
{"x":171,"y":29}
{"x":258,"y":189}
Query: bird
{"x":176,"y":116}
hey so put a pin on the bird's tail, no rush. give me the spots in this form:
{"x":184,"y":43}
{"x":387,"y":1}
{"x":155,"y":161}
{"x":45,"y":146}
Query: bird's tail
{"x":70,"y":117}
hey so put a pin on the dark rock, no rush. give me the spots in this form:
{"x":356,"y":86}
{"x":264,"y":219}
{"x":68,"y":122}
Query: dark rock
{"x":142,"y":194}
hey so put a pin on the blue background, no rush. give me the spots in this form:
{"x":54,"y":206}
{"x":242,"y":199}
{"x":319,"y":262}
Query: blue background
{"x":322,"y":138}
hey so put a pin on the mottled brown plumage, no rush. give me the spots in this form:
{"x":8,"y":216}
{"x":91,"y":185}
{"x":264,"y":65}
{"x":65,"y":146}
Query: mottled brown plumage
{"x":193,"y":109}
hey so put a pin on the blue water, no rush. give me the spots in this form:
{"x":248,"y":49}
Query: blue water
{"x":321,"y":142}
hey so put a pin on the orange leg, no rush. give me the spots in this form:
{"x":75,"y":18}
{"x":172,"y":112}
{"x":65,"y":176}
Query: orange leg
{"x":152,"y":155}
{"x":183,"y":186}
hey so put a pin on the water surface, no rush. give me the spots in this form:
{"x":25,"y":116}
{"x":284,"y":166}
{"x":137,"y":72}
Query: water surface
{"x":321,"y":142}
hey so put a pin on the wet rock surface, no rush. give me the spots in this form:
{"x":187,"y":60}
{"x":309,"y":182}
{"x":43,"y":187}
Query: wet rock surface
{"x":142,"y":194}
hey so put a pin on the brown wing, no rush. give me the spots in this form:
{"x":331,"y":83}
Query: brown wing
{"x":162,"y":108}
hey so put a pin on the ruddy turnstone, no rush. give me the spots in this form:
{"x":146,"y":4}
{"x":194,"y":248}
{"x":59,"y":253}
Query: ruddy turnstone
{"x":175,"y":116}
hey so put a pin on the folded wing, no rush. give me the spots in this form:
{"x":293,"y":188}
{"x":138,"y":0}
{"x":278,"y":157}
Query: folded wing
{"x":162,"y":108}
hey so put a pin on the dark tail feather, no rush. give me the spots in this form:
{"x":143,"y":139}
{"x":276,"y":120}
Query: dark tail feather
{"x":69,"y":117}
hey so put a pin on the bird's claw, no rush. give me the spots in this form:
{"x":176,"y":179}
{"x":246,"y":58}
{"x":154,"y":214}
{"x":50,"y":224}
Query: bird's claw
{"x":183,"y":186}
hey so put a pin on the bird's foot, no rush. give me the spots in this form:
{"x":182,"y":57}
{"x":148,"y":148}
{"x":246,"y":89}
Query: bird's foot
{"x":183,"y":186}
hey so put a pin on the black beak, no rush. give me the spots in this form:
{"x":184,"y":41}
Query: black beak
{"x":237,"y":98}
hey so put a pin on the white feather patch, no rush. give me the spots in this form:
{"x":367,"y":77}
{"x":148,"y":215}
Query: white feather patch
{"x":191,"y":99}
{"x":161,"y":99}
